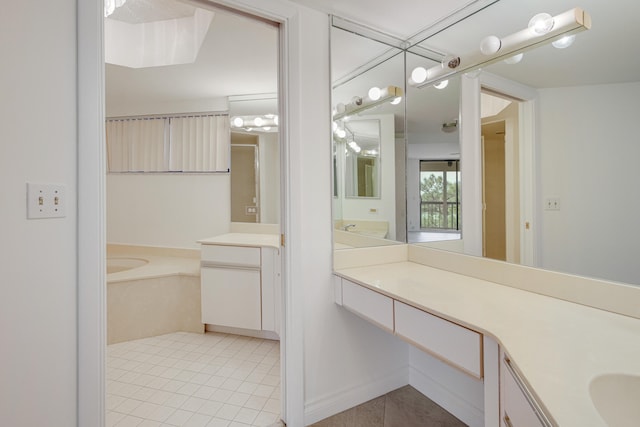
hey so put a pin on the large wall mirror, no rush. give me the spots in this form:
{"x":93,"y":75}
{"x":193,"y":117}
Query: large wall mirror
{"x":554,"y":160}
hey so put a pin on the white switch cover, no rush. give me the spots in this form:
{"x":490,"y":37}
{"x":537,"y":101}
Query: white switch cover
{"x":46,"y":201}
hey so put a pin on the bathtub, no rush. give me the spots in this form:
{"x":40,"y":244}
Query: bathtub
{"x":152,"y":291}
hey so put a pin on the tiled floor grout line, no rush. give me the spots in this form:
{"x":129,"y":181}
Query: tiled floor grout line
{"x":186,"y":379}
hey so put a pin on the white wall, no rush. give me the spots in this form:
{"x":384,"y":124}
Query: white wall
{"x":269,"y":178}
{"x":589,"y":155}
{"x":167,"y":210}
{"x":37,"y":257}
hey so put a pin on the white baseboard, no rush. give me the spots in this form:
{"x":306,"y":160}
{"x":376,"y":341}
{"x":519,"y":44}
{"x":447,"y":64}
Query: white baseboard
{"x":266,"y":335}
{"x":336,"y":402}
{"x":451,"y":402}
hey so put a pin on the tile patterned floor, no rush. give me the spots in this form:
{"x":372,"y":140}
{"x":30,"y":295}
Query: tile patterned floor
{"x":404,"y":407}
{"x":186,"y":379}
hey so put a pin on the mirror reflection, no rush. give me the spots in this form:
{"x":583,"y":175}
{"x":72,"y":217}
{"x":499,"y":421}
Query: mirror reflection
{"x":550,"y":175}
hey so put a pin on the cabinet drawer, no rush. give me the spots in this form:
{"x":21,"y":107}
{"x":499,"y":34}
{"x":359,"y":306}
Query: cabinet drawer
{"x":454,"y":344}
{"x":368,"y":304}
{"x":231,"y":255}
{"x":517,"y":411}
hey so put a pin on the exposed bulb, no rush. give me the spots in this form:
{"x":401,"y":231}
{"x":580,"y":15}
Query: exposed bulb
{"x":514,"y":59}
{"x":374,"y":93}
{"x":442,"y":84}
{"x":490,"y":45}
{"x":541,"y":24}
{"x":341,"y":133}
{"x":564,"y":42}
{"x":419,"y":75}
{"x":396,"y":100}
{"x":258,"y":121}
{"x":275,"y":120}
{"x":238,"y":122}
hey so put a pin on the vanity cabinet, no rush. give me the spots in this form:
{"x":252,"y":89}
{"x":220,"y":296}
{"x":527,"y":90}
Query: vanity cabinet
{"x":518,"y":407}
{"x":453,"y":344}
{"x":239,"y":286}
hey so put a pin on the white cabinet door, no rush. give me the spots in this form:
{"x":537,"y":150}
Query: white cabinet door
{"x":454,"y":344}
{"x":368,"y":304}
{"x":270,"y":290}
{"x":231,"y":297}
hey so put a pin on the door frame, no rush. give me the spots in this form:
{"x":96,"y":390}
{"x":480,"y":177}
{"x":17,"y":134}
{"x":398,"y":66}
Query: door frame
{"x":91,"y":196}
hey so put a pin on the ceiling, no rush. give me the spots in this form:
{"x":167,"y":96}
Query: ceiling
{"x":239,"y":55}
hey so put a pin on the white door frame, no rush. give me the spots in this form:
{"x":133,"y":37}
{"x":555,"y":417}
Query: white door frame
{"x":91,"y":235}
{"x":471,"y":170}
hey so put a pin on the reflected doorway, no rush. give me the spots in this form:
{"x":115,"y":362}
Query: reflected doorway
{"x":245,"y":184}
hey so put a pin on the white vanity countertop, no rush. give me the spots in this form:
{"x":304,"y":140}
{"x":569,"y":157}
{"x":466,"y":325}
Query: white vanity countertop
{"x":244,"y":239}
{"x":558,"y":346}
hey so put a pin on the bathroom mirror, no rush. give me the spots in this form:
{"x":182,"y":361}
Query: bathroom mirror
{"x":581,"y":165}
{"x":361,"y":146}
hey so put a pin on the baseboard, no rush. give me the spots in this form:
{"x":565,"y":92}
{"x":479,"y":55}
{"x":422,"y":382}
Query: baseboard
{"x":266,"y":335}
{"x":341,"y":400}
{"x":451,"y":402}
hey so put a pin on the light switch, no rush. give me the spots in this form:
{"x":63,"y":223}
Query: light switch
{"x":46,"y":201}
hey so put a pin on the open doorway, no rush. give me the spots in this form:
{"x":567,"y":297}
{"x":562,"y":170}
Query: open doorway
{"x":500,"y":177}
{"x":169,"y":208}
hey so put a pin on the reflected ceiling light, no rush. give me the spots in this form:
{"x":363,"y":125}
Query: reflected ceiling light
{"x":514,"y":59}
{"x":442,"y":84}
{"x":541,"y":24}
{"x":374,"y":93}
{"x":396,"y":101}
{"x":341,"y":133}
{"x":543,"y":29}
{"x":490,"y":45}
{"x":564,"y":42}
{"x":359,"y":104}
{"x":265,"y":123}
{"x":111,"y":5}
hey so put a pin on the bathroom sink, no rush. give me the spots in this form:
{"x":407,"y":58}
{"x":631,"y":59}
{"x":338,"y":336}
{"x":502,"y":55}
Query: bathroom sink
{"x":617,"y":397}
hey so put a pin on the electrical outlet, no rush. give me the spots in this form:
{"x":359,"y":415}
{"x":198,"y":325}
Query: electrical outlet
{"x":552,"y":204}
{"x":46,"y":201}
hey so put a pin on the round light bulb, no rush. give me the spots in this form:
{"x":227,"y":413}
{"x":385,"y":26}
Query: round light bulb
{"x":514,"y":59}
{"x":341,"y":133}
{"x":490,"y":45}
{"x":442,"y":84}
{"x":419,"y":75}
{"x":396,"y":101}
{"x":374,"y":93}
{"x":275,"y":120}
{"x":541,"y":24}
{"x":564,"y":42}
{"x":258,"y":121}
{"x":238,"y":122}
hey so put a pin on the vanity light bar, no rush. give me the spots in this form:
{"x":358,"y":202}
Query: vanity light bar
{"x":359,"y":104}
{"x":496,"y":49}
{"x":264,"y":123}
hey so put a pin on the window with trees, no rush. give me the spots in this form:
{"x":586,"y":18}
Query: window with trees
{"x":440,"y":194}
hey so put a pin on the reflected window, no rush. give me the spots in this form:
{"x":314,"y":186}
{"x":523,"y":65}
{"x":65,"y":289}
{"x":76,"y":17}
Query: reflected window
{"x":440,"y":195}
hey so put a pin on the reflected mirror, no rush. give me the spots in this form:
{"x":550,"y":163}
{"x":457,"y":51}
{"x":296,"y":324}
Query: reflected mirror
{"x":567,"y":174}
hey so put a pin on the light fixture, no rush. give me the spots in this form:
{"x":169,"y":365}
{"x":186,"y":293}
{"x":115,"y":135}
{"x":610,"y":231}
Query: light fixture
{"x":514,"y":59}
{"x":359,"y":104}
{"x":264,"y":123}
{"x":442,"y":84}
{"x":450,"y":127}
{"x":543,"y":28}
{"x":564,"y":42}
{"x":396,"y":100}
{"x":111,"y":5}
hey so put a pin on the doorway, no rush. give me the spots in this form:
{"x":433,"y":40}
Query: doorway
{"x":245,"y":185}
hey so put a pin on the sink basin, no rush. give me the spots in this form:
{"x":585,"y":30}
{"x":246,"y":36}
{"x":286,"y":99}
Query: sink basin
{"x":617,"y":399}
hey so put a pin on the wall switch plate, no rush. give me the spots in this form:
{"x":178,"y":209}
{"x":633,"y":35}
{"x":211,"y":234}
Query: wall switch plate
{"x":552,"y":204}
{"x":46,"y":201}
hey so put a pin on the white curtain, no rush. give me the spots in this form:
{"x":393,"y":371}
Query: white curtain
{"x":174,"y":144}
{"x":200,"y":144}
{"x":136,"y":145}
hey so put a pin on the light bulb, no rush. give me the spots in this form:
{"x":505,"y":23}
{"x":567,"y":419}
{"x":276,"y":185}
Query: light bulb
{"x":490,"y":45}
{"x":514,"y":59}
{"x":341,"y":133}
{"x":334,"y":126}
{"x":541,"y":24}
{"x":396,"y":101}
{"x":419,"y":75}
{"x":374,"y":93}
{"x":275,"y":120}
{"x":238,"y":122}
{"x":442,"y":84}
{"x":258,"y":121}
{"x":564,"y":42}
